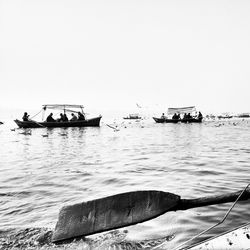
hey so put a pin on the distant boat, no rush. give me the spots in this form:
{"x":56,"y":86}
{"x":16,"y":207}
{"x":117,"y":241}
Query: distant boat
{"x":244,"y":115}
{"x":93,"y":122}
{"x":224,"y":116}
{"x":133,"y":117}
{"x":1,"y":123}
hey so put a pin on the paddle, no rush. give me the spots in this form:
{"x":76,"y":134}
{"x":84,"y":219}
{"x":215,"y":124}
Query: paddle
{"x":127,"y":209}
{"x":37,"y":123}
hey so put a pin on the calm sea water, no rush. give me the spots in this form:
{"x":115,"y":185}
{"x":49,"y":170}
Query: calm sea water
{"x":41,"y":172}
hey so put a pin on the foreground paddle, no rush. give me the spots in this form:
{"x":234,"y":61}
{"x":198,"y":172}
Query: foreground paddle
{"x":126,"y":209}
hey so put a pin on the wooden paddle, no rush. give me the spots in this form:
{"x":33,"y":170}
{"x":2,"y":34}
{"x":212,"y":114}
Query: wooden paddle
{"x":127,"y":209}
{"x":37,"y":123}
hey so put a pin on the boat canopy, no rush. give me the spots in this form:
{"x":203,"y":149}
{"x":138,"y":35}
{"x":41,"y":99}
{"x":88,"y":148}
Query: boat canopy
{"x":64,"y":107}
{"x":181,"y":110}
{"x":61,"y":106}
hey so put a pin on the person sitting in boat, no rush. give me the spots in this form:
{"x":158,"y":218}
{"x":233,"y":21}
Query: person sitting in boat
{"x":81,"y":117}
{"x":25,"y":117}
{"x":61,"y":118}
{"x":185,"y":116}
{"x":175,"y":117}
{"x":163,"y":116}
{"x":200,"y":116}
{"x":189,"y":116}
{"x":65,"y":118}
{"x":73,"y":118}
{"x":50,"y":118}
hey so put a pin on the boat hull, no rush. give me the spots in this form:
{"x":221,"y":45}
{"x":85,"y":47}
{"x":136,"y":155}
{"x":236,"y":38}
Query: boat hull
{"x":164,"y":120}
{"x":191,"y":120}
{"x":94,"y":122}
{"x":236,"y":239}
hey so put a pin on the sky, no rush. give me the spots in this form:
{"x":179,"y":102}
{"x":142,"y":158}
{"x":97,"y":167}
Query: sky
{"x":110,"y":55}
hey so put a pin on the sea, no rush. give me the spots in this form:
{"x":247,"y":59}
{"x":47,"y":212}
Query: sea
{"x":43,"y":170}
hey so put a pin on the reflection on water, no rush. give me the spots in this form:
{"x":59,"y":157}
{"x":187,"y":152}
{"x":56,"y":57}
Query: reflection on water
{"x":43,"y":171}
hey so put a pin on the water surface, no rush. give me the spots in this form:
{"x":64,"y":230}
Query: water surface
{"x":41,"y":172}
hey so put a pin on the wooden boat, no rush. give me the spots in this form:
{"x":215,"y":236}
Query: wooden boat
{"x":225,"y":116}
{"x":133,"y":117}
{"x":180,"y":111}
{"x":165,"y":120}
{"x":93,"y":122}
{"x":238,"y":238}
{"x":244,"y":115}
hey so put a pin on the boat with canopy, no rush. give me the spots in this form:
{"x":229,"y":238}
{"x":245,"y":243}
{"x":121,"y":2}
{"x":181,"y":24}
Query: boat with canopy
{"x":66,"y":108}
{"x":180,"y":111}
{"x":135,"y":116}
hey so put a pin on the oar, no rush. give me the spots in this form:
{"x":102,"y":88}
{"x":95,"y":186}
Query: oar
{"x":126,"y":209}
{"x":37,"y":123}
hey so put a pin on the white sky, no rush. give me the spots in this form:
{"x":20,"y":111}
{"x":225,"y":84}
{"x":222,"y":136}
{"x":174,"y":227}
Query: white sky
{"x":113,"y":54}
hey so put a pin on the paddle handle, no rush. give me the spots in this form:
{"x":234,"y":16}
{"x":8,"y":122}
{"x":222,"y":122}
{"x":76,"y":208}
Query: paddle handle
{"x":212,"y":200}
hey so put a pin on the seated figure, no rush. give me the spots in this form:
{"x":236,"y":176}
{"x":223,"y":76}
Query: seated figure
{"x":81,"y":117}
{"x":50,"y":118}
{"x":163,"y":116}
{"x":25,"y":117}
{"x":73,"y":118}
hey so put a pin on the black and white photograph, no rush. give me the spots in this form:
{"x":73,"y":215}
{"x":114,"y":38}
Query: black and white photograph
{"x":124,"y":124}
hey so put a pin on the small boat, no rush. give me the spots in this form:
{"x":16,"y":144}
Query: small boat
{"x":243,"y":115}
{"x":133,"y":117}
{"x":225,"y":116}
{"x":180,"y":111}
{"x":238,"y":238}
{"x":93,"y":122}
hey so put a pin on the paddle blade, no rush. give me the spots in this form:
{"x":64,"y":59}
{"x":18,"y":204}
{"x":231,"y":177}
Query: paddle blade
{"x":111,"y":212}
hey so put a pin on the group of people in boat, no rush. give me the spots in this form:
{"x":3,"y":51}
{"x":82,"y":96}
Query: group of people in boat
{"x":62,"y":118}
{"x":185,"y":116}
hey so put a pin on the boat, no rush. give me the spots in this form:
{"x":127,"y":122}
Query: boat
{"x":189,"y":120}
{"x":92,"y":122}
{"x":133,"y":117}
{"x":224,"y":116}
{"x":180,"y":111}
{"x":244,"y":115}
{"x":238,"y":238}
